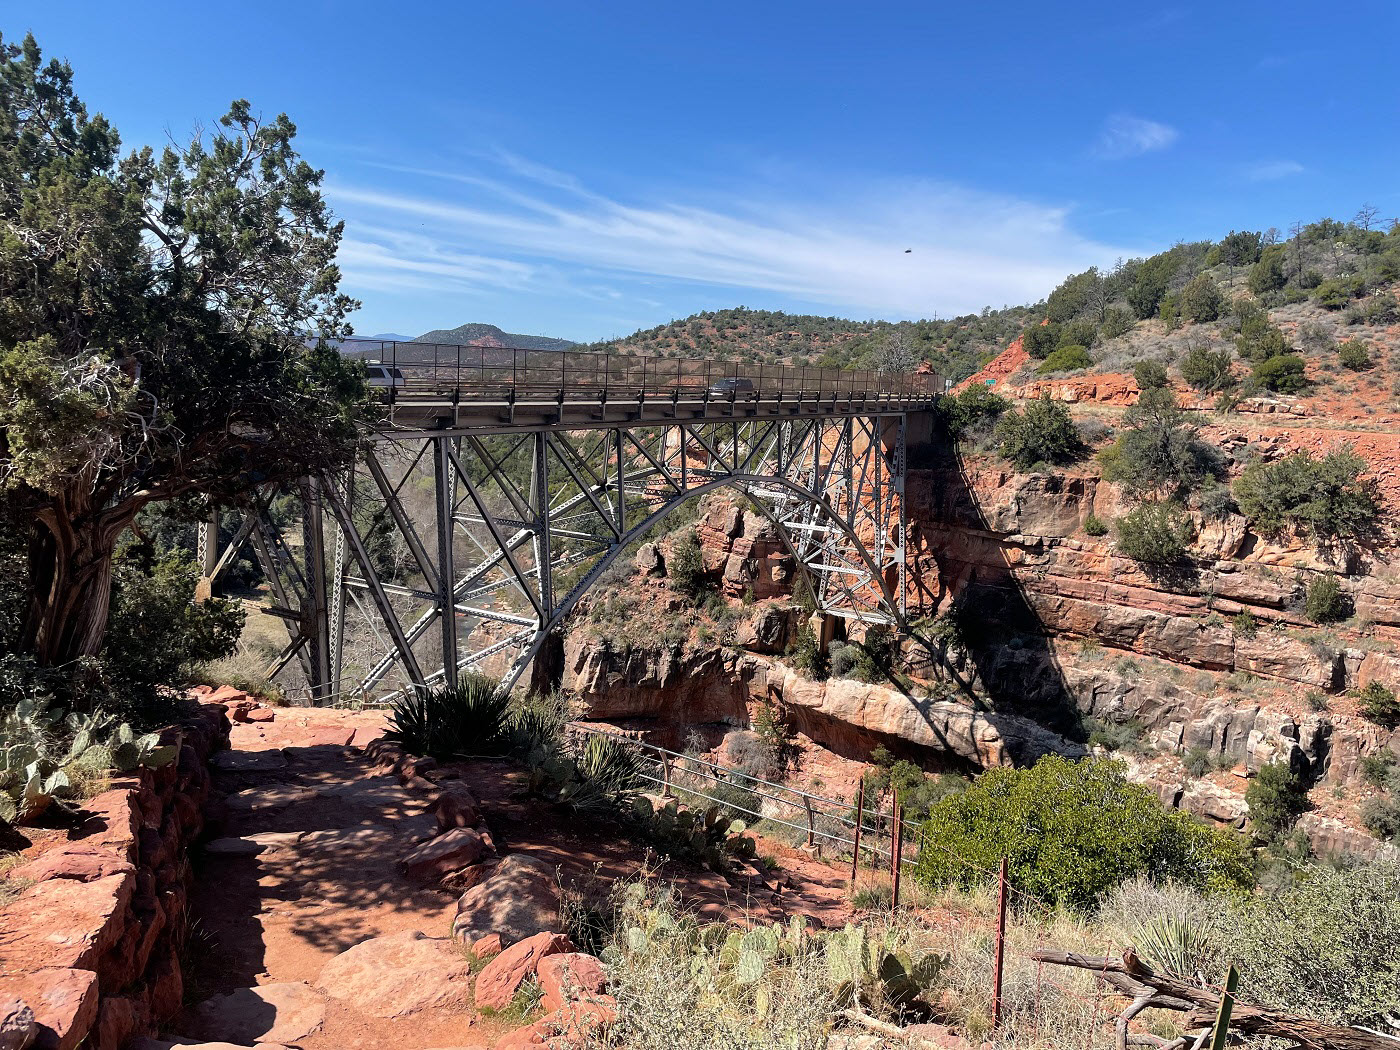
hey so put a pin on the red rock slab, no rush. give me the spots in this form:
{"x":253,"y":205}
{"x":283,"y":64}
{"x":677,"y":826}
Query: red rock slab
{"x":64,"y":923}
{"x":573,"y":1025}
{"x":448,"y":852}
{"x":570,"y":976}
{"x":64,"y":1002}
{"x":497,"y":983}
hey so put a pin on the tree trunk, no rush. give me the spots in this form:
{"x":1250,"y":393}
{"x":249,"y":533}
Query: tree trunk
{"x":70,"y":577}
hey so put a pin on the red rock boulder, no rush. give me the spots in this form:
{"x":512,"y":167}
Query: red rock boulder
{"x":496,"y":985}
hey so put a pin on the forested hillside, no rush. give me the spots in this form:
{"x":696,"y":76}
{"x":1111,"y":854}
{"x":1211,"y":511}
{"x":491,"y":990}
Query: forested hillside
{"x":1328,"y":282}
{"x":956,"y":347}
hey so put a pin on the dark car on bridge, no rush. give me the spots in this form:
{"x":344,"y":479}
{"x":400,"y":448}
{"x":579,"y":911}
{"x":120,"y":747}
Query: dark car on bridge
{"x":734,"y":388}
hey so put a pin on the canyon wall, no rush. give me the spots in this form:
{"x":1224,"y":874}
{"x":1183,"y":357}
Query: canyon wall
{"x":1080,"y":637}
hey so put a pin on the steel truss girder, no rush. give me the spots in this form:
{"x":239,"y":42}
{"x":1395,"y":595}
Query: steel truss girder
{"x":520,"y":525}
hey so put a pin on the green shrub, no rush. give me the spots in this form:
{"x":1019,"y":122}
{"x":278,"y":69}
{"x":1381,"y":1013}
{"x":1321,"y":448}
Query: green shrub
{"x":1065,"y":359}
{"x":1375,"y":769}
{"x":1116,"y":321}
{"x":1257,"y":338}
{"x":1326,"y":498}
{"x":686,"y":567}
{"x":1276,"y":798}
{"x":1071,"y":832}
{"x":1042,"y":432}
{"x":918,"y":791}
{"x":843,"y":659}
{"x":876,"y":656}
{"x":1282,"y":373}
{"x":1378,"y":704}
{"x":1095,"y":526}
{"x":157,"y":638}
{"x":1324,"y":600}
{"x":446,"y":723}
{"x":1201,"y":300}
{"x":807,"y":655}
{"x":1150,"y":374}
{"x":1040,"y":339}
{"x":1324,"y":944}
{"x":1354,"y":354}
{"x":1267,"y":275}
{"x":1207,"y":370}
{"x":1338,"y":292}
{"x":1381,"y":816}
{"x":972,"y":409}
{"x":1245,"y":625}
{"x":1198,"y":761}
{"x":1154,"y":533}
{"x":1159,"y":453}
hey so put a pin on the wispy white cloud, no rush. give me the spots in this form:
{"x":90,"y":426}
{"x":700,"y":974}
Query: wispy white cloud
{"x":1269,"y":170}
{"x":907,"y":248}
{"x":1125,"y":136}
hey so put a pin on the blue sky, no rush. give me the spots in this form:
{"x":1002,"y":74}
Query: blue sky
{"x":583,"y":170}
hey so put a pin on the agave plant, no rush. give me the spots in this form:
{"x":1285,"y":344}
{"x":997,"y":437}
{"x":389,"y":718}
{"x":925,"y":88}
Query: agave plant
{"x":451,"y":722}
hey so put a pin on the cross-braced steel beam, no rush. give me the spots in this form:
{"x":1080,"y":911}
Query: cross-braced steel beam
{"x":459,"y":549}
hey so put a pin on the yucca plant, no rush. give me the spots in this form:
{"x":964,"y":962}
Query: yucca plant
{"x":1174,"y":944}
{"x":465,"y":721}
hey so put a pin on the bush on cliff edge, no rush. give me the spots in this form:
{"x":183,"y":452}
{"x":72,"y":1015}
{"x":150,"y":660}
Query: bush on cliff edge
{"x":1071,"y":832}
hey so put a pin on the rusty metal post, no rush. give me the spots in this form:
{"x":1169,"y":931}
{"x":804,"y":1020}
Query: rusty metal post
{"x":896,"y":848}
{"x":811,"y":823}
{"x":1001,"y":946}
{"x":860,"y":819}
{"x":665,"y":776}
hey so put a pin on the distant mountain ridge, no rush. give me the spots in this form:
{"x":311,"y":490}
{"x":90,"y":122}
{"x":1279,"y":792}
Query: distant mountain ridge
{"x":489,"y":335}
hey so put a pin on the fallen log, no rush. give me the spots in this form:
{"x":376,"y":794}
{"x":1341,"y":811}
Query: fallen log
{"x":1147,"y":989}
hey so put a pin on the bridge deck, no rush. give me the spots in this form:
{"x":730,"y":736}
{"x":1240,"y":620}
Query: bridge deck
{"x":469,"y":387}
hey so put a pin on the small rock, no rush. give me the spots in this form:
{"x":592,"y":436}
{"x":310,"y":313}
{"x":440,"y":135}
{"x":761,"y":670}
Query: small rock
{"x":497,"y":983}
{"x":570,"y":976}
{"x":648,"y":560}
{"x":487,"y":947}
{"x":275,"y":1013}
{"x":261,"y":714}
{"x":455,"y":807}
{"x":397,"y":974}
{"x":78,"y":865}
{"x":449,"y":852}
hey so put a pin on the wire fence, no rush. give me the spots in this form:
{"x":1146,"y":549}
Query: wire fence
{"x":827,"y":823}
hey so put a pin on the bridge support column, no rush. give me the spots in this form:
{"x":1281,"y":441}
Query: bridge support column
{"x":446,"y":488}
{"x":315,"y":613}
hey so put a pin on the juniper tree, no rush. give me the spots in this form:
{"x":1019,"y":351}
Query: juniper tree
{"x":155,"y":310}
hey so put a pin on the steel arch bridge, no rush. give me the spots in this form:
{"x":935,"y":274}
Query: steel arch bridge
{"x":501,"y":484}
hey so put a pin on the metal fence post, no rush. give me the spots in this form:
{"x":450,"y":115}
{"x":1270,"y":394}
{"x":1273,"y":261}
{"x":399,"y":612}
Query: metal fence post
{"x":1001,"y":946}
{"x":811,"y":822}
{"x":860,"y":819}
{"x":896,"y":848}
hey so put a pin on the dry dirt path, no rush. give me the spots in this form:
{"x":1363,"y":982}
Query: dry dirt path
{"x":304,"y":866}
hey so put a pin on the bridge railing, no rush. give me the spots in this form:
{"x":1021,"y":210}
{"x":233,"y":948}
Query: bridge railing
{"x":491,"y":373}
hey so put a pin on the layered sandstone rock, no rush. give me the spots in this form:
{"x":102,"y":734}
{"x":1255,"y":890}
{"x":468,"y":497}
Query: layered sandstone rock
{"x":91,"y":947}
